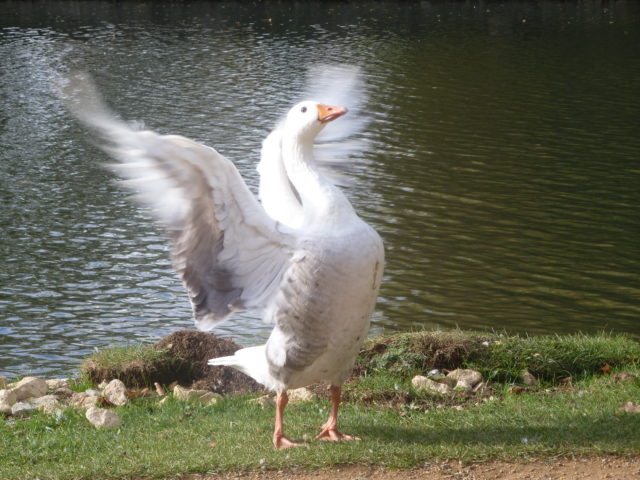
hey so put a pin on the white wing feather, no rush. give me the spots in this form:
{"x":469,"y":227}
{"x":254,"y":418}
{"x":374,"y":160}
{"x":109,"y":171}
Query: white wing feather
{"x":230,"y":254}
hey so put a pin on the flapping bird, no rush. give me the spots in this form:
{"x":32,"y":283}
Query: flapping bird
{"x":303,"y":258}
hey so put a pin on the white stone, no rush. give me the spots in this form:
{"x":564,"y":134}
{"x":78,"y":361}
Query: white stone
{"x":82,"y":400}
{"x":102,"y":418}
{"x":47,"y":404}
{"x":420,"y":382}
{"x":116,"y":393}
{"x":30,"y":387}
{"x":7,"y":399}
{"x":19,"y":408}
{"x":200,"y":396}
{"x":264,"y":401}
{"x":480,"y":387}
{"x":465,"y":379}
{"x":57,"y":383}
{"x":299,"y":395}
{"x":528,"y":378}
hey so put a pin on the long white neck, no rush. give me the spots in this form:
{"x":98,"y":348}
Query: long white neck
{"x":322,"y":201}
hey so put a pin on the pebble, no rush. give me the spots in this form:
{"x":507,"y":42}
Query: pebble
{"x":116,"y":393}
{"x":7,"y":399}
{"x":30,"y":387}
{"x":102,"y":418}
{"x":420,"y":382}
{"x":200,"y":396}
{"x":299,"y":395}
{"x":22,"y":407}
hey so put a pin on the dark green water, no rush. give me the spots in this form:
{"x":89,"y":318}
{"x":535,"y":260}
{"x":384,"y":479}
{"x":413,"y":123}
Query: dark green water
{"x":503,"y":159}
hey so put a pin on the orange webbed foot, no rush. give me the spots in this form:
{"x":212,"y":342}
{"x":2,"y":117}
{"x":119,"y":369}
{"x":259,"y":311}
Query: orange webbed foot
{"x":329,"y":434}
{"x":281,"y":442}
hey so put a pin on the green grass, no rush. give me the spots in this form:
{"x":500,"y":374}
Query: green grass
{"x":116,"y":355}
{"x":135,"y":365}
{"x":499,"y":357}
{"x":164,"y":441}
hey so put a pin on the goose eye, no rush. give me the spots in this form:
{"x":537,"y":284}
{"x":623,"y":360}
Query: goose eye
{"x":303,"y":109}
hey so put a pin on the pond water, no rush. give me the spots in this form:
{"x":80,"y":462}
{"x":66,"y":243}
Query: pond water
{"x":501,"y":166}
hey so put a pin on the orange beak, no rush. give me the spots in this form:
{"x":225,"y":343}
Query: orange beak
{"x":327,"y":113}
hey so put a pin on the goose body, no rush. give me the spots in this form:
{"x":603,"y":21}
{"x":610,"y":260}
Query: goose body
{"x":303,"y":258}
{"x":321,"y":312}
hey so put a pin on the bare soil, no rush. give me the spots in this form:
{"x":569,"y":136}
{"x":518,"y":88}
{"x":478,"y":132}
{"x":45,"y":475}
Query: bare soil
{"x":587,"y":468}
{"x":196,"y":348}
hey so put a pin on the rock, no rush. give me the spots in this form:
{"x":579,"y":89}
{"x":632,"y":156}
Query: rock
{"x":423,"y":383}
{"x":3,"y":382}
{"x":462,"y":387}
{"x":7,"y":399}
{"x":479,"y":387}
{"x":436,"y":375}
{"x":30,"y":387}
{"x":623,"y":377}
{"x":20,"y":408}
{"x":419,"y":381}
{"x":629,"y":407}
{"x":57,"y":383}
{"x":465,"y":379}
{"x":159,"y":390}
{"x":83,"y":400}
{"x":528,"y":379}
{"x":116,"y":393}
{"x":63,"y":393}
{"x":102,"y":418}
{"x":47,"y":404}
{"x":299,"y":395}
{"x":264,"y":401}
{"x":201,"y":396}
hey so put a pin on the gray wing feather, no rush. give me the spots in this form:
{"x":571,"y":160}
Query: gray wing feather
{"x":229,"y":253}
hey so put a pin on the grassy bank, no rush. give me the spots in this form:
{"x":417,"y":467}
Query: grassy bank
{"x":558,"y":417}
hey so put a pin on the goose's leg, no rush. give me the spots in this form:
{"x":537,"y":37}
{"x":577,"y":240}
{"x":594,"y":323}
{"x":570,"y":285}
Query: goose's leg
{"x":330,"y":430}
{"x":279,"y":440}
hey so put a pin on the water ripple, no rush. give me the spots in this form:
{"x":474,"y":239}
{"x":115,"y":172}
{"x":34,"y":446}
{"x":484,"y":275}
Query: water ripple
{"x":501,"y":161}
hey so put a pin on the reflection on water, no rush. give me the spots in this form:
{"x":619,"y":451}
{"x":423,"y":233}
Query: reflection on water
{"x":502,"y":163}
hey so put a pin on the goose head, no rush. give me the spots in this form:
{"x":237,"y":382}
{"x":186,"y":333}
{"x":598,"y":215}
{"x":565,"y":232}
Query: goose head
{"x":306,"y":119}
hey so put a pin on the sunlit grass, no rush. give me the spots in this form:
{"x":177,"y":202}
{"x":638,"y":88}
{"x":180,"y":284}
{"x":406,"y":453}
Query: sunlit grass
{"x":499,"y":357}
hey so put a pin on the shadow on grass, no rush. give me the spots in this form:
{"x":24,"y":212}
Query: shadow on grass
{"x":622,"y":431}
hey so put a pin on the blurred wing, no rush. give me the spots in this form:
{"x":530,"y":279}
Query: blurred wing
{"x":230,"y":254}
{"x":340,"y":145}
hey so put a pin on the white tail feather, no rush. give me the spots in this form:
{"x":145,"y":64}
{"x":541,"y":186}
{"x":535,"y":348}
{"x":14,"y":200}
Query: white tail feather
{"x":251,"y":361}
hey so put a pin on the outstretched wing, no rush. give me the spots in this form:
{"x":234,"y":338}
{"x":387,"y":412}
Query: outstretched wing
{"x":230,"y":254}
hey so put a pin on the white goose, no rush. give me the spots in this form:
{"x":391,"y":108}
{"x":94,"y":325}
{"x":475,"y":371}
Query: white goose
{"x":314,"y":277}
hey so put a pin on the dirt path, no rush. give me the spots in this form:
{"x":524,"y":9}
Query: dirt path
{"x":591,"y":468}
